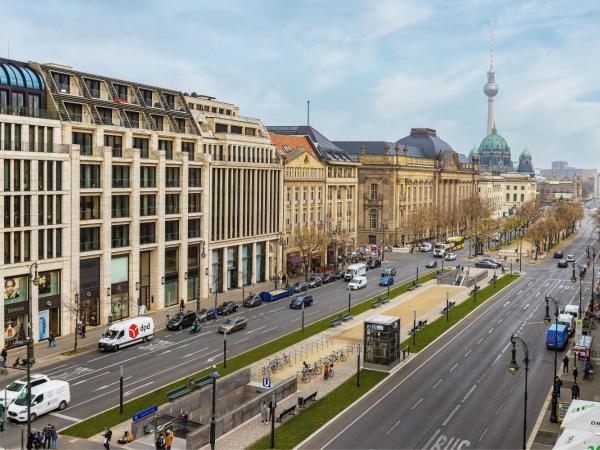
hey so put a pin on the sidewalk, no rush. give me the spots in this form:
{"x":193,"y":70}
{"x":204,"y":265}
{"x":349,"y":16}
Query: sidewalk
{"x":546,"y":433}
{"x":45,"y":355}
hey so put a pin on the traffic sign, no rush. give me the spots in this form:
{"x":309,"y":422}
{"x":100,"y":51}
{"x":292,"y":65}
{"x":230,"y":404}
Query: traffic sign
{"x":144,"y":412}
{"x":267,"y":382}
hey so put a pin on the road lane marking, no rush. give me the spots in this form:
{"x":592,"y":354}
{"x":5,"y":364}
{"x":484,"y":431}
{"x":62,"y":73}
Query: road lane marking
{"x":416,"y":404}
{"x":468,"y":353}
{"x":519,"y":293}
{"x":258,"y":329}
{"x":485,"y":430}
{"x":99,"y":357}
{"x":536,"y":296}
{"x":392,"y":429}
{"x":136,"y":388}
{"x":241,"y":340}
{"x":436,"y":384}
{"x":469,"y":393}
{"x":490,"y":331}
{"x":166,"y":351}
{"x":505,"y":347}
{"x":453,"y":367}
{"x":193,"y":353}
{"x":432,"y":438}
{"x":479,"y":341}
{"x":526,"y":306}
{"x":65,"y":417}
{"x":85,"y":380}
{"x":445,"y":422}
{"x":295,"y":320}
{"x":110,"y":384}
{"x":498,"y":409}
{"x":270,"y":329}
{"x":506,"y":304}
{"x":500,"y":321}
{"x":497,"y":358}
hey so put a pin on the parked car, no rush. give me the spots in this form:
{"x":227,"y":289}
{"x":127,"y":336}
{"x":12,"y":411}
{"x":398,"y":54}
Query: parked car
{"x":252,"y":300}
{"x":226,"y":308}
{"x":493,"y":261}
{"x":315,"y":281}
{"x":330,"y":277}
{"x":558,"y":254}
{"x":204,"y":314}
{"x":562,"y":263}
{"x":357,"y":283}
{"x":338,"y":274}
{"x":486,"y":264}
{"x":18,"y":387}
{"x":570,"y":258}
{"x":431,"y":264}
{"x":300,"y":287}
{"x":373,"y":263}
{"x":239,"y":323}
{"x":181,"y":320}
{"x":426,"y":247}
{"x":297,"y":301}
{"x":388,"y":272}
{"x":450,"y":256}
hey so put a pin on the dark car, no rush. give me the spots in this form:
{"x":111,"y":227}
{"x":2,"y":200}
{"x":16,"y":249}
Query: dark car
{"x":204,"y":314}
{"x":486,"y":264}
{"x":338,"y":274}
{"x":297,"y":301}
{"x":373,"y":263}
{"x":252,"y":300}
{"x":388,"y":272}
{"x":181,"y":320}
{"x":329,"y":278}
{"x":226,"y":308}
{"x":300,"y":287}
{"x":582,"y":270}
{"x":315,"y":281}
{"x":493,"y":261}
{"x":558,"y":254}
{"x":562,"y":263}
{"x":431,"y":264}
{"x":239,"y":323}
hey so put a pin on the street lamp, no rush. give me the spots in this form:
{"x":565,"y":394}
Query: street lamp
{"x":33,"y":272}
{"x":547,"y":320}
{"x":241,"y":275}
{"x":349,"y":298}
{"x":358,"y":364}
{"x":213,"y":422}
{"x":202,"y":255}
{"x":593,"y":252}
{"x":513,"y":368}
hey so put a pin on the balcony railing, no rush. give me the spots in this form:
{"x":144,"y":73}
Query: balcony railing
{"x":89,"y":214}
{"x":90,"y":183}
{"x":194,"y":233}
{"x":148,"y":182}
{"x":147,"y":238}
{"x":118,"y":213}
{"x":172,"y":209}
{"x":172,"y":236}
{"x":117,"y":152}
{"x":149,"y":211}
{"x":89,"y":246}
{"x":120,"y":242}
{"x":120,"y":182}
{"x":34,"y":147}
{"x":95,"y":93}
{"x":172,"y":183}
{"x":29,"y":112}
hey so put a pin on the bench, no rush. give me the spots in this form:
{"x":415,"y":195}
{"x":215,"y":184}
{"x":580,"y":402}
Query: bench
{"x":422,"y":323}
{"x":384,"y":300}
{"x":302,"y":401}
{"x":204,"y":381}
{"x":335,"y":322}
{"x":346,"y":317}
{"x":179,"y":392}
{"x":448,"y":307}
{"x":291,"y":411}
{"x":376,"y":304}
{"x":414,"y":286}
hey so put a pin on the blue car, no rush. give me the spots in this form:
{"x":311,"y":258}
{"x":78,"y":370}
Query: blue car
{"x":386,"y":280}
{"x":557,"y":335}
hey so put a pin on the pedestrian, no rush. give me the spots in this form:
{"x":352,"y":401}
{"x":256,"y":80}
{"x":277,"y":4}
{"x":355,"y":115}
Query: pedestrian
{"x":160,"y":442}
{"x":83,"y":331}
{"x":169,"y":440}
{"x":557,"y":386}
{"x":107,"y":435}
{"x":50,"y":339}
{"x":566,"y":364}
{"x":587,"y":369}
{"x":4,"y":355}
{"x":47,"y":432}
{"x":575,"y":373}
{"x":574,"y":391}
{"x":181,"y":305}
{"x":325,"y":370}
{"x":54,"y":437}
{"x":184,"y":418}
{"x":264,"y":412}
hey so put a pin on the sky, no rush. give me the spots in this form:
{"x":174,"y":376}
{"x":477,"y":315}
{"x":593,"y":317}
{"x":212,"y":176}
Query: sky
{"x":371,"y":69}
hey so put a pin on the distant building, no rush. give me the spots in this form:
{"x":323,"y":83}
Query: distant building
{"x":562,"y":171}
{"x":552,"y":191}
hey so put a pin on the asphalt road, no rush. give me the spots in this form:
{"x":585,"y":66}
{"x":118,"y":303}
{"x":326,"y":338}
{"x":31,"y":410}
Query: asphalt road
{"x":458,"y":393}
{"x":94,"y":376}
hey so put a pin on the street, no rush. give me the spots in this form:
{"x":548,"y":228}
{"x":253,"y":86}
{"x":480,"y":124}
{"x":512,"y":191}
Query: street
{"x":94,"y":376}
{"x":458,"y":393}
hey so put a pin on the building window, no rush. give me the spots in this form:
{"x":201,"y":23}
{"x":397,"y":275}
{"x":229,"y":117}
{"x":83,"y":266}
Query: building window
{"x":106,"y":115}
{"x":373,"y":219}
{"x":147,"y":233}
{"x":220,"y":128}
{"x":172,"y":177}
{"x":147,"y":176}
{"x":120,"y":236}
{"x":115,"y":143}
{"x":522,"y":197}
{"x":167,"y":147}
{"x":236,"y":129}
{"x":134,"y":119}
{"x":147,"y":205}
{"x":171,"y":230}
{"x":194,"y":203}
{"x":188,"y":147}
{"x":89,"y":176}
{"x":120,"y":176}
{"x":508,"y":197}
{"x":172,"y":204}
{"x":194,"y":177}
{"x":142,"y":144}
{"x":194,"y":229}
{"x":89,"y":239}
{"x":90,"y":207}
{"x":514,"y":197}
{"x":120,"y":206}
{"x":84,"y":140}
{"x":374,"y":191}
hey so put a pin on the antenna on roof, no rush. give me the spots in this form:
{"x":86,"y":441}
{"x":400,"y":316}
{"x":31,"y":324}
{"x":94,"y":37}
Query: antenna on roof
{"x":308,"y":112}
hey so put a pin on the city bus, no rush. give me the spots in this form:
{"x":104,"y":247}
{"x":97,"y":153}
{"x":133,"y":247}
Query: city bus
{"x":456,"y":242}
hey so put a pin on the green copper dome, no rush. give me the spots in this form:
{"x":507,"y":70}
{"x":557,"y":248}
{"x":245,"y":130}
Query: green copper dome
{"x":494,"y":142}
{"x":474,"y":152}
{"x":525,"y":153}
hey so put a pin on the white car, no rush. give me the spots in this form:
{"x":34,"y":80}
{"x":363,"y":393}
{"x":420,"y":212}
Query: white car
{"x":357,"y":283}
{"x":54,"y":394}
{"x":18,"y":387}
{"x":426,"y":247}
{"x":570,"y":258}
{"x":450,"y":256}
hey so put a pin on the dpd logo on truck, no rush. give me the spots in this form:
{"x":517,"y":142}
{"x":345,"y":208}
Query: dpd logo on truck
{"x":133,"y":331}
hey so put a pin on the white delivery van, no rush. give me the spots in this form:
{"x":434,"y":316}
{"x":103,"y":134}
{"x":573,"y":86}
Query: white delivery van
{"x":17,"y":387}
{"x":567,"y":320}
{"x":127,"y":332}
{"x":46,"y":397}
{"x":572,"y":310}
{"x":354,"y":270}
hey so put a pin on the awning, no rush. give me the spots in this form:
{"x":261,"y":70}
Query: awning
{"x":583,"y":415}
{"x":295,"y":259}
{"x":572,"y":438}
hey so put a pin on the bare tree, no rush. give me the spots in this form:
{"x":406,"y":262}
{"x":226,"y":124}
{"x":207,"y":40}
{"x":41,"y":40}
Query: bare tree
{"x":73,"y":307}
{"x":308,"y":242}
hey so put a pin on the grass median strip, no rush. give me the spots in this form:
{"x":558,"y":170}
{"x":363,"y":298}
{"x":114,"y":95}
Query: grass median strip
{"x":440,"y":325}
{"x":299,"y":427}
{"x":109,"y":418}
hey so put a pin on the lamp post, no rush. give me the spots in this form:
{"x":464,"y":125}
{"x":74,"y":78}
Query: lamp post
{"x":202,"y":255}
{"x":547,"y":320}
{"x":241,"y":275}
{"x":513,"y":368}
{"x":358,"y":364}
{"x":520,"y":248}
{"x":224,"y":349}
{"x":213,"y":420}
{"x":349,"y":298}
{"x":447,"y":307}
{"x":273,"y":406}
{"x":120,"y":388}
{"x":33,"y":273}
{"x":302,"y":315}
{"x":593,"y":253}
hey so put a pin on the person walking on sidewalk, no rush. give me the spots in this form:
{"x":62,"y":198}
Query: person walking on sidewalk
{"x":47,"y":432}
{"x":557,"y":386}
{"x":169,"y":440}
{"x":4,"y":355}
{"x":83,"y":330}
{"x":575,"y":373}
{"x":107,"y":436}
{"x":181,"y":305}
{"x":574,"y":391}
{"x":566,"y":364}
{"x":53,"y":437}
{"x":264,"y":412}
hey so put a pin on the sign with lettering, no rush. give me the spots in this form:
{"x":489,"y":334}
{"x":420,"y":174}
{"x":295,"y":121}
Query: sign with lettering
{"x":144,"y":413}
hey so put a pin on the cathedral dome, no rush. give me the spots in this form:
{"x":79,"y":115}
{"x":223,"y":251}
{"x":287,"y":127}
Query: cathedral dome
{"x":494,"y":143}
{"x":525,"y":153}
{"x":474,"y":152}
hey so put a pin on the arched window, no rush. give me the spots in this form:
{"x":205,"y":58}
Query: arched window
{"x":522,"y":197}
{"x":373,"y":217}
{"x":514,"y":197}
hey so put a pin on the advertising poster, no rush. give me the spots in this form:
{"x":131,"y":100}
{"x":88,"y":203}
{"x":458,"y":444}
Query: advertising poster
{"x":44,"y":324}
{"x":49,"y":284}
{"x":15,"y":289}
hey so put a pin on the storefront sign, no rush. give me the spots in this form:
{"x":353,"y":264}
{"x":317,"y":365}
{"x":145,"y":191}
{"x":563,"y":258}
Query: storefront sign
{"x":16,"y":309}
{"x":49,"y":302}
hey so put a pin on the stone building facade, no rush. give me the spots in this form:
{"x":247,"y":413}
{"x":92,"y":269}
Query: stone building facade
{"x":566,"y":190}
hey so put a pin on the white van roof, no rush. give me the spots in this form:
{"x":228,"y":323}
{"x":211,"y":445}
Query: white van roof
{"x":123,"y":324}
{"x":565,"y":317}
{"x":571,"y":308}
{"x":49,"y":385}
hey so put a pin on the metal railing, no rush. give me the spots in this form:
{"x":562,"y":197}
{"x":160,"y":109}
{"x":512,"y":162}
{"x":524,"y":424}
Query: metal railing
{"x":120,"y":242}
{"x":90,"y":183}
{"x":120,"y":182}
{"x":89,"y":246}
{"x":29,"y":112}
{"x":147,"y":239}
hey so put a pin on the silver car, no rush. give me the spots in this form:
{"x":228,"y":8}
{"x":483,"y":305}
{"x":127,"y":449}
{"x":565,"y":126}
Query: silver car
{"x":239,"y":323}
